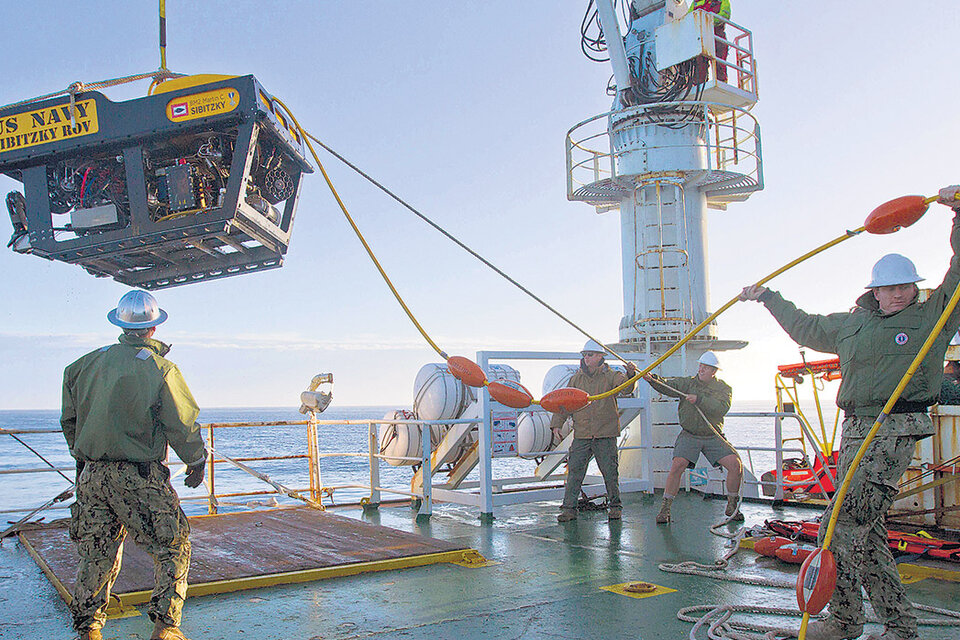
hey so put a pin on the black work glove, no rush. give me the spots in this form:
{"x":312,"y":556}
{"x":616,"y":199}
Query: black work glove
{"x":195,"y":475}
{"x":631,"y":370}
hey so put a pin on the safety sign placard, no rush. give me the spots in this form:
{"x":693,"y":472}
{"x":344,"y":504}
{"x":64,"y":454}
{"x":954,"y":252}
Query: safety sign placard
{"x":50,"y":124}
{"x":504,"y":428}
{"x":202,"y":105}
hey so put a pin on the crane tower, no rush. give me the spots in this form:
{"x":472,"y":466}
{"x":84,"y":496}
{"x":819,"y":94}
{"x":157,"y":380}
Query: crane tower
{"x":678,"y":140}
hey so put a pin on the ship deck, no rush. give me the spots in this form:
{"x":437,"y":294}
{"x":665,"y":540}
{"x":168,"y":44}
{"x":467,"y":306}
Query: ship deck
{"x":543,"y":580}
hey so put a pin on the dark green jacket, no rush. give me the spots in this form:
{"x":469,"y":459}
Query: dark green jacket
{"x":875,"y":350}
{"x":127,"y":402}
{"x":713,"y":399}
{"x":600,"y":418}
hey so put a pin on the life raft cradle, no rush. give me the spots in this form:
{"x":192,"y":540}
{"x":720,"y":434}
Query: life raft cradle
{"x":920,"y":543}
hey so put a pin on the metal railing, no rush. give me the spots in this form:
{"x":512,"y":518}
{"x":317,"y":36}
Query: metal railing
{"x":779,"y":484}
{"x":729,"y":146}
{"x":374,"y":489}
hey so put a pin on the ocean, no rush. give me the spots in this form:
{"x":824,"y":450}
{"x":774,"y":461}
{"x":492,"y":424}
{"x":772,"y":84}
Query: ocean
{"x":33,"y":489}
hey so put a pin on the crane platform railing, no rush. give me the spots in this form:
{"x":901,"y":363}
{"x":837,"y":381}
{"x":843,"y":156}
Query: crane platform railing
{"x":723,"y":158}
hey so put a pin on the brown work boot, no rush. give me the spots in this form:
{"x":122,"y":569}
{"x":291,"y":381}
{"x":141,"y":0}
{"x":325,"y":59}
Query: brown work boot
{"x":566,"y":515}
{"x":163,"y":631}
{"x":663,"y":517}
{"x":733,"y":512}
{"x":830,"y":629}
{"x":91,"y":634}
{"x":614,"y":513}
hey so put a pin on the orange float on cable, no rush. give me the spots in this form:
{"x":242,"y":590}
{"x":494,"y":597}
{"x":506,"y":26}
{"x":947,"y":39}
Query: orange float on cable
{"x":769,"y":545}
{"x":895,"y":214}
{"x":816,"y":581}
{"x":795,"y":552}
{"x":510,"y":394}
{"x":565,"y":399}
{"x":466,"y":371}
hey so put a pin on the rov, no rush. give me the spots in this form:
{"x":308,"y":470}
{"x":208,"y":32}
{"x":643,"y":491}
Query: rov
{"x":199,"y":180}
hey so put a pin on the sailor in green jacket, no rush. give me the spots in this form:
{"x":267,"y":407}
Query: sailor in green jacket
{"x":122,"y":405}
{"x":876,"y":343}
{"x":704,"y":401}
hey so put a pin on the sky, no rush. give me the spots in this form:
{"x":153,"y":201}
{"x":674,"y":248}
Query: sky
{"x":461,"y":108}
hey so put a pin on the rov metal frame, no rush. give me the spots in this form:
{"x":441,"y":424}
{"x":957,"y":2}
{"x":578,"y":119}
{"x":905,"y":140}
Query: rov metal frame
{"x":225,"y":237}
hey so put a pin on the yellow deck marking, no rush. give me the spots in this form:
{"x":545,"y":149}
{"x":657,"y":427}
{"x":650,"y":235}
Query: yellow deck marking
{"x":473,"y":560}
{"x":618,"y":589}
{"x":915,"y":573}
{"x":309,"y":575}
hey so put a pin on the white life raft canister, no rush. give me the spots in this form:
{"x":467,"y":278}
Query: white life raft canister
{"x":399,"y":441}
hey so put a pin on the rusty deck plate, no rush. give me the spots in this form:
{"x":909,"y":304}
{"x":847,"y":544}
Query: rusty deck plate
{"x":238,"y":550}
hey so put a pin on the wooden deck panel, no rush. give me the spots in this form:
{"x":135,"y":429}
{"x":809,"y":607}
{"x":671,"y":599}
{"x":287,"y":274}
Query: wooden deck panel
{"x":242,"y":545}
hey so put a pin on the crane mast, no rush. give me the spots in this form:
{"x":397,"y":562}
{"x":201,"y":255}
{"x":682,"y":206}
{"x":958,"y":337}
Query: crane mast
{"x":678,"y":140}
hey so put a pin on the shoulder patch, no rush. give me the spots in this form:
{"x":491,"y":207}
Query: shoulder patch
{"x":143,"y":354}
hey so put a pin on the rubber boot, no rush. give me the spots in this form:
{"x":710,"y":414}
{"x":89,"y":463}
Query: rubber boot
{"x":91,"y":634}
{"x":732,"y":512}
{"x":163,"y":631}
{"x":664,"y":516}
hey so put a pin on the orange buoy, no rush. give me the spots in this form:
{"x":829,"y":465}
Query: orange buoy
{"x":816,"y":581}
{"x":565,"y":399}
{"x":768,"y":546}
{"x":795,"y":552}
{"x":466,"y":371}
{"x":510,"y":393}
{"x":897,"y":213}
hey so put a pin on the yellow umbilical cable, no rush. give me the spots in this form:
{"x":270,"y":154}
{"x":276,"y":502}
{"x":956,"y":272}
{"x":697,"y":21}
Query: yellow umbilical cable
{"x":842,"y":491}
{"x":359,"y":234}
{"x":730,"y":303}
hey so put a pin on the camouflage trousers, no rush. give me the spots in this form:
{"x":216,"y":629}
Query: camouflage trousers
{"x":860,"y":538}
{"x":112,"y":499}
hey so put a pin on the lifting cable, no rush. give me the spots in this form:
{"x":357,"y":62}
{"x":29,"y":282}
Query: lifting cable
{"x":458,"y":242}
{"x":158,"y":76}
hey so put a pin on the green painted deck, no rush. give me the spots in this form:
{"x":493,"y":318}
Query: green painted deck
{"x":547,"y":583}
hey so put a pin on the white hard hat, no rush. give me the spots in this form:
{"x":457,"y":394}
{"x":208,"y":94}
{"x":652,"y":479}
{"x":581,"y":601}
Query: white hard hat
{"x":137,"y":310}
{"x":710,"y":359}
{"x":592,"y":346}
{"x":891,"y":269}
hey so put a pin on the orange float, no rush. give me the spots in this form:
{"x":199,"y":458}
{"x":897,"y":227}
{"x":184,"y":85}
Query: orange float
{"x":565,"y":399}
{"x":795,"y":552}
{"x":816,"y":581}
{"x":768,"y":546}
{"x":510,"y":394}
{"x":895,"y":214}
{"x":466,"y":371}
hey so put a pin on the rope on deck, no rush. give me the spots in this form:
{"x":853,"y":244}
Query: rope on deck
{"x":717,"y":618}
